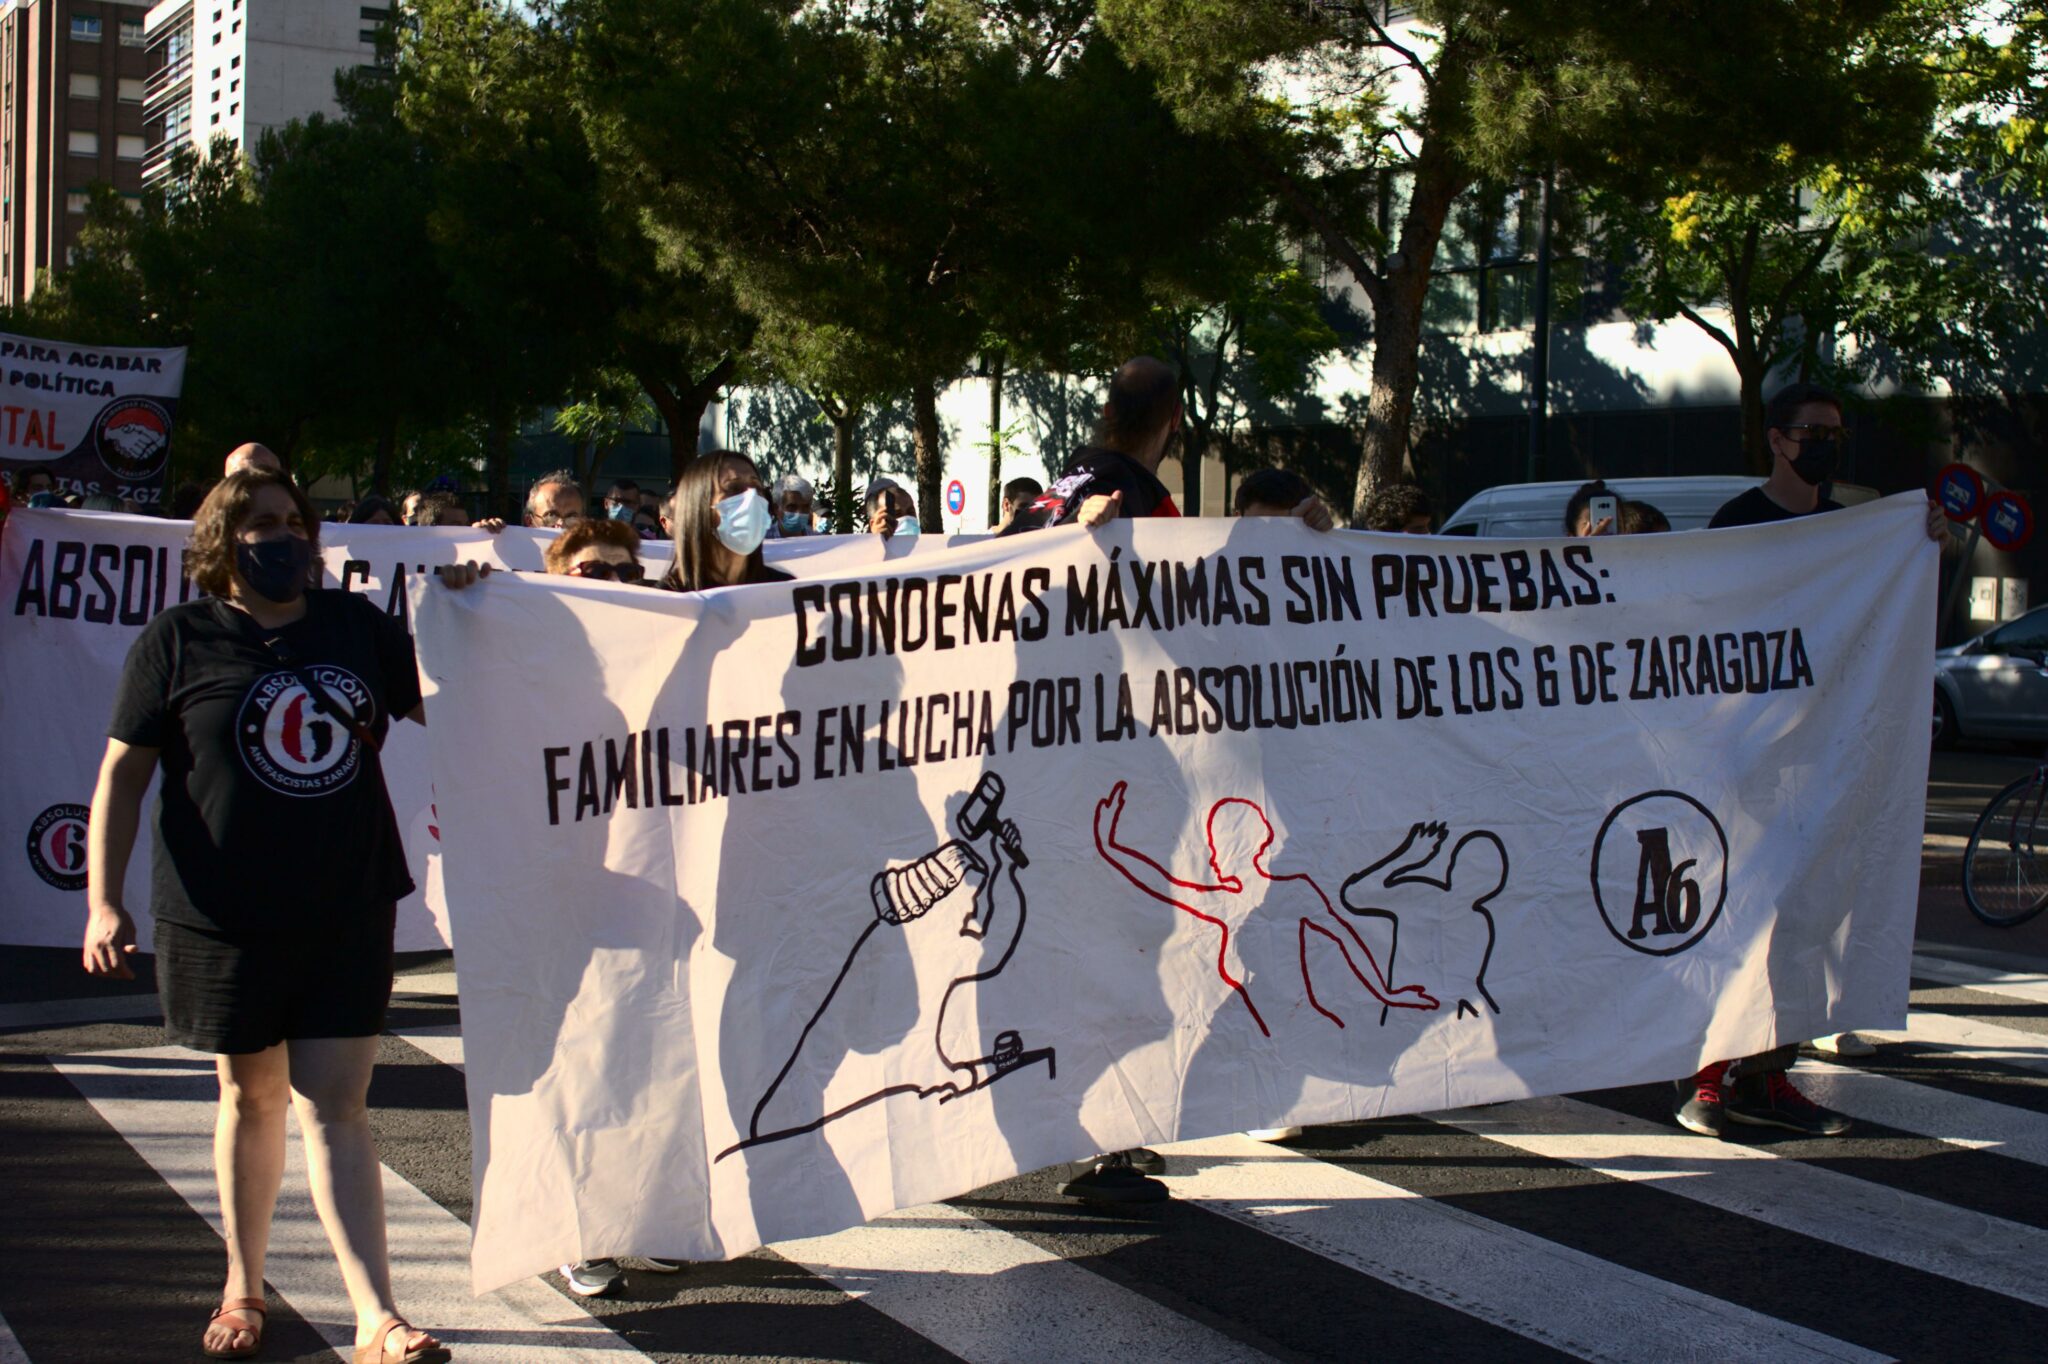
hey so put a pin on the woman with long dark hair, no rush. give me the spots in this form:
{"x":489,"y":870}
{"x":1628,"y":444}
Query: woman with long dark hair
{"x":718,"y":516}
{"x":276,"y":873}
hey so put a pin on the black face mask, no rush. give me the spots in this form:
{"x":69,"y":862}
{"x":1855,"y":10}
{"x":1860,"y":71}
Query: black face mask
{"x":275,"y":570}
{"x":1815,"y":463}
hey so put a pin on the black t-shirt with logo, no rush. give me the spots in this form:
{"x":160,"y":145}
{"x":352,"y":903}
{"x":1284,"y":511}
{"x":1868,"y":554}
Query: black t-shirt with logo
{"x":1096,"y":471}
{"x":272,"y":820}
{"x":1755,"y":508}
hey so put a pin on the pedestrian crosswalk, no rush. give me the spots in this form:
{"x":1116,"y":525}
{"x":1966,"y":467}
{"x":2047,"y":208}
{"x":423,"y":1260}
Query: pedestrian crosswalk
{"x":1580,"y":1227}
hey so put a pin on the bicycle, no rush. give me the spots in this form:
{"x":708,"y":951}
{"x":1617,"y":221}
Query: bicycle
{"x":2005,"y":867}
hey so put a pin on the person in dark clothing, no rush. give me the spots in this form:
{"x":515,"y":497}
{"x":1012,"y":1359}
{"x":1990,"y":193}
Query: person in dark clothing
{"x":1804,"y":426}
{"x":275,"y":877}
{"x":1118,"y":474}
{"x":1018,"y":495}
{"x":718,"y":518}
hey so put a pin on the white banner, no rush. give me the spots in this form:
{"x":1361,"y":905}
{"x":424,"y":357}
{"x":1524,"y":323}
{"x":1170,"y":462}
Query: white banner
{"x":99,"y":416}
{"x":782,"y":908}
{"x":75,"y":590}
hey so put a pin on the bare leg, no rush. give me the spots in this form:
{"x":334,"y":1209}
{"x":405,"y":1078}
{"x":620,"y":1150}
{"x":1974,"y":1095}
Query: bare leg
{"x":248,"y":1165}
{"x":331,"y":1083}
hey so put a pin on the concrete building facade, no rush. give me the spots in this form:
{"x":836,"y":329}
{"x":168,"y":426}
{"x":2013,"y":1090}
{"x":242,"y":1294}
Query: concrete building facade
{"x":72,"y":81}
{"x":236,"y":69}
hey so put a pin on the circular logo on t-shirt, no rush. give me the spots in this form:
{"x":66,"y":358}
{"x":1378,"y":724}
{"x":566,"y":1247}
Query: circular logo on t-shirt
{"x":293,"y":748}
{"x":133,"y":436}
{"x":56,"y":846}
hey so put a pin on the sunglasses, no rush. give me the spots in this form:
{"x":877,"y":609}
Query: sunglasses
{"x":604,"y":572}
{"x":1808,"y":431}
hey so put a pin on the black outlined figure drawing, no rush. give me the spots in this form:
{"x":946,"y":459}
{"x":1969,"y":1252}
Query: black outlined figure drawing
{"x":947,"y":902}
{"x":1266,"y":964}
{"x":1477,"y":867}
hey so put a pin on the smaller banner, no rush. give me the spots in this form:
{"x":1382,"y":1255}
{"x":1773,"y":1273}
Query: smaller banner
{"x":99,"y":416}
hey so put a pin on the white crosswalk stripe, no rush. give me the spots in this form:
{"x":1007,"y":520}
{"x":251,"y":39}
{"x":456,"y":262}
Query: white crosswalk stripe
{"x":1860,"y":1214}
{"x":1550,"y":1293}
{"x":161,"y":1100}
{"x":983,"y":1290}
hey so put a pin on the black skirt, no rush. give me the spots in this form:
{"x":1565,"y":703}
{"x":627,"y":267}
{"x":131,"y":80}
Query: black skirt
{"x":236,"y":995}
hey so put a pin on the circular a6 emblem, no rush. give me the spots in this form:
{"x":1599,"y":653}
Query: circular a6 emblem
{"x":289,"y":745}
{"x":56,"y":846}
{"x":1660,"y":872}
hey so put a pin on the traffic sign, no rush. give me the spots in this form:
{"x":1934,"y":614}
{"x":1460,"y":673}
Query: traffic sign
{"x":2008,"y":521}
{"x":956,"y":497}
{"x":1961,"y":491}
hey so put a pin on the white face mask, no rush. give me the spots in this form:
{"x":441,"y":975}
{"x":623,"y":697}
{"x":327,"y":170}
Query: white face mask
{"x":907,"y":526}
{"x":742,"y":521}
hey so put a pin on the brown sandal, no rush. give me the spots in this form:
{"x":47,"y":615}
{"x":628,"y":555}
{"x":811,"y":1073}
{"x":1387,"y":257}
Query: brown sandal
{"x":238,"y":1307}
{"x":378,"y":1350}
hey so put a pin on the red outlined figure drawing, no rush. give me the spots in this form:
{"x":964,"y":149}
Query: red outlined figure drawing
{"x":1240,"y":835}
{"x":1477,"y":866}
{"x":947,"y":903}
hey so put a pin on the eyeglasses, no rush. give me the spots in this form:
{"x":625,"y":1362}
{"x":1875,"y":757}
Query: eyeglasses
{"x":604,"y":572}
{"x":557,"y":520}
{"x":1809,"y":431}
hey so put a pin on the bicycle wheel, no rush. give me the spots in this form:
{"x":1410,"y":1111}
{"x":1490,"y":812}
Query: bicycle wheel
{"x":2005,"y":868}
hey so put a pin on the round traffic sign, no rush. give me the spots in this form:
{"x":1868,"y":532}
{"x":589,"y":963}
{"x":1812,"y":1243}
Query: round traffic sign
{"x":956,"y":497}
{"x":1961,"y":491}
{"x":2008,"y":521}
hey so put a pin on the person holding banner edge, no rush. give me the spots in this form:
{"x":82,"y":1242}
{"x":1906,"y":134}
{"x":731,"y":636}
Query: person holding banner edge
{"x":1803,"y":423}
{"x":277,"y":868}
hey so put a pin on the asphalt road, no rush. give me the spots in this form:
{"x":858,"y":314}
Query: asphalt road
{"x":1581,"y":1227}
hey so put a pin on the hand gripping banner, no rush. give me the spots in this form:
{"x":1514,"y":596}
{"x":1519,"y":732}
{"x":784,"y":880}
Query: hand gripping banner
{"x":780,"y":908}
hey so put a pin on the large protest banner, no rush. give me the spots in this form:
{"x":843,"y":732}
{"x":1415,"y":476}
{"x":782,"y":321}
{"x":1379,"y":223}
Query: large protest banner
{"x":99,"y":416}
{"x":75,"y":590}
{"x":780,"y":908}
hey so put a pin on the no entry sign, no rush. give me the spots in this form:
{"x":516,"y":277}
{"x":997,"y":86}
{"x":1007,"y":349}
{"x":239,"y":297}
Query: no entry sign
{"x":956,"y":497}
{"x":1961,"y":491}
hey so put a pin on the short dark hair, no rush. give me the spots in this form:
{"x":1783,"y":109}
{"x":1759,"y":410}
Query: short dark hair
{"x":210,"y":555}
{"x":361,"y":513}
{"x":1272,"y":488}
{"x":1640,"y":518}
{"x":1576,"y":503}
{"x":1393,"y":506}
{"x":623,"y":485}
{"x":24,"y":474}
{"x":1144,"y":393}
{"x":1786,"y":402}
{"x":585,"y":533}
{"x":1022,"y":492}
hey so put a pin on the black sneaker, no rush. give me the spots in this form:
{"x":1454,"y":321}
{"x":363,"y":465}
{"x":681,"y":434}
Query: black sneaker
{"x":1702,"y":1104}
{"x":1113,"y":1180}
{"x":1784,"y":1106}
{"x":1146,"y":1161}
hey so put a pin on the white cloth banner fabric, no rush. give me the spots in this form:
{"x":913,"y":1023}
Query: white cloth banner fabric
{"x":779,"y":908}
{"x":75,"y":590}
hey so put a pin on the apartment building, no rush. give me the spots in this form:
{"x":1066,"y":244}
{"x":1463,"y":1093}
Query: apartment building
{"x":72,"y":78}
{"x":236,"y":69}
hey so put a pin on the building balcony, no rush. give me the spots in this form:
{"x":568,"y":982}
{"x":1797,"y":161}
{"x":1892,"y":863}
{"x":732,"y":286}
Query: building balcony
{"x":167,"y":84}
{"x":156,"y":162}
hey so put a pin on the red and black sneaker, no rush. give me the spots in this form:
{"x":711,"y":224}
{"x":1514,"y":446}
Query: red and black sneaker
{"x":1701,"y":1110}
{"x":1782,"y":1105}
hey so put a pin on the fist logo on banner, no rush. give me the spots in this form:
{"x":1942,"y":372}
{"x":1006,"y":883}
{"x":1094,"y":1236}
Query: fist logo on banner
{"x":56,"y":846}
{"x":290,"y":745}
{"x":1660,"y":872}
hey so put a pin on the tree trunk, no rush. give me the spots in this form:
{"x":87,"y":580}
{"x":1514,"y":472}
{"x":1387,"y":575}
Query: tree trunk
{"x":682,"y":410}
{"x":931,"y":456}
{"x":995,"y":440}
{"x":1756,"y":445}
{"x":387,"y":448}
{"x":842,"y":468}
{"x":1397,"y":322}
{"x":498,"y":468}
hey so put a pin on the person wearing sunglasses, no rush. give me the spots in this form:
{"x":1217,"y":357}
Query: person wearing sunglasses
{"x":600,"y":551}
{"x":718,"y":517}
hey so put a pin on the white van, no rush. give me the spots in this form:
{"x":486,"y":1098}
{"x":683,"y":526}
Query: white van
{"x":1537,"y":509}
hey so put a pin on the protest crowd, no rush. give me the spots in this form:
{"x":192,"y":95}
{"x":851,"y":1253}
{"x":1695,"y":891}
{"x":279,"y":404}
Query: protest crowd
{"x":292,"y":1017}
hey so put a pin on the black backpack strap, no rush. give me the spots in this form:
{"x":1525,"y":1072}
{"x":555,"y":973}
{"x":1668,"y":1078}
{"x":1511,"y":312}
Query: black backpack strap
{"x":323,"y":700}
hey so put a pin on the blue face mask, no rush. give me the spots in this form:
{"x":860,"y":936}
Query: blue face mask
{"x":742,"y":521}
{"x":795,"y":523}
{"x":619,"y":513}
{"x":907,"y":526}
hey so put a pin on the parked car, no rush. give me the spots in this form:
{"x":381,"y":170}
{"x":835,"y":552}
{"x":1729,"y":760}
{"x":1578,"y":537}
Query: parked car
{"x":1537,"y":509}
{"x":1996,"y":685}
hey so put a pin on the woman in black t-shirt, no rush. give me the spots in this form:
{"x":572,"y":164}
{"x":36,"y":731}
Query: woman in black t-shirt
{"x":718,"y":518}
{"x":277,"y":867}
